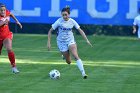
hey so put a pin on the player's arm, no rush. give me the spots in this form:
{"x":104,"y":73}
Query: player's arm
{"x":134,"y":29}
{"x":54,"y":26}
{"x":84,"y":36}
{"x":11,"y":15}
{"x":49,"y":39}
{"x":3,"y":22}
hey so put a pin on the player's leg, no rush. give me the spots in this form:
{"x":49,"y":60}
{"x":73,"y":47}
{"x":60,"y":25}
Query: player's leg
{"x":8,"y":45}
{"x":67,"y":57}
{"x":73,"y":49}
{"x":63,"y":48}
{"x":1,"y":45}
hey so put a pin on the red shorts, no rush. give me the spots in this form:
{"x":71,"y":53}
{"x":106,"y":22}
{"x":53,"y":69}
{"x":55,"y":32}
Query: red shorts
{"x":10,"y":36}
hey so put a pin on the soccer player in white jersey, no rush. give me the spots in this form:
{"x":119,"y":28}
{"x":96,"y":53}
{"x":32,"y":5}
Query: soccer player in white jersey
{"x":65,"y":38}
{"x":137,"y":23}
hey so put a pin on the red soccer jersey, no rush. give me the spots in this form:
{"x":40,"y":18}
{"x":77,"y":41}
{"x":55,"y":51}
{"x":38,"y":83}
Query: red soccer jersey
{"x":4,"y":29}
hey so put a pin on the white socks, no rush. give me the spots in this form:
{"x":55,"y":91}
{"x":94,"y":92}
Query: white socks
{"x":80,"y":66}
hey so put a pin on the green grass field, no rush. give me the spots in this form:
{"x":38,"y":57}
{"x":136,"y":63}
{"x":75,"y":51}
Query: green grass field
{"x":113,"y":66}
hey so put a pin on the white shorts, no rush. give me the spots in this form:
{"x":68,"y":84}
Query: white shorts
{"x":63,"y":46}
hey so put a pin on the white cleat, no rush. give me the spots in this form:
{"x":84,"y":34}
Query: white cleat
{"x":15,"y":70}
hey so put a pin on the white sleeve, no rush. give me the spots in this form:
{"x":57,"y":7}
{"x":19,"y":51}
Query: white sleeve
{"x":135,"y":22}
{"x":55,"y":25}
{"x":76,"y":25}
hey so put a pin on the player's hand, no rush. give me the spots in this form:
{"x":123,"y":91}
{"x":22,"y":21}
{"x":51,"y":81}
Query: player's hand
{"x":89,"y":43}
{"x":134,"y":31}
{"x":19,"y":24}
{"x":49,"y":46}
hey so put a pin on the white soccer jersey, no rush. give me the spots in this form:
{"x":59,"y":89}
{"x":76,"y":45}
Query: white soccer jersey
{"x":65,"y":29}
{"x":137,"y":22}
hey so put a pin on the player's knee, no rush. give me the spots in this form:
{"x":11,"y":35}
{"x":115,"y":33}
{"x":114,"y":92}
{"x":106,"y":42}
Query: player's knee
{"x":9,"y":50}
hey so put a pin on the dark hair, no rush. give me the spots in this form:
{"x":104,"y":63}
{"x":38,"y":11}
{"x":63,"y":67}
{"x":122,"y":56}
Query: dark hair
{"x":2,"y":5}
{"x":66,"y":9}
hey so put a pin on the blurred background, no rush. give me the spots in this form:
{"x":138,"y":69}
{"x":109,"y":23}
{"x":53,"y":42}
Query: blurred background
{"x":112,"y":65}
{"x":96,"y":17}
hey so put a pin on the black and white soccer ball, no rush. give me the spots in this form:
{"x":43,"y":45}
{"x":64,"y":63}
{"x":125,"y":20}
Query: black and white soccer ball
{"x":54,"y":74}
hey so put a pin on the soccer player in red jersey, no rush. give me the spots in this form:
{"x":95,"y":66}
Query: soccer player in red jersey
{"x":6,"y":35}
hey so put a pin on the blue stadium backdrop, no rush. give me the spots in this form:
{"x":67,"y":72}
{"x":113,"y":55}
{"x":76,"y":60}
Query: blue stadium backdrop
{"x":102,"y":12}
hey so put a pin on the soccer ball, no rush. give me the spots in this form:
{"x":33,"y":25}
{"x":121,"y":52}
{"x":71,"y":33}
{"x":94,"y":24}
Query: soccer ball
{"x":54,"y":74}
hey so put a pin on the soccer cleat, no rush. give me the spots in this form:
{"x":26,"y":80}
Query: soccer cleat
{"x":85,"y":76}
{"x":15,"y":70}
